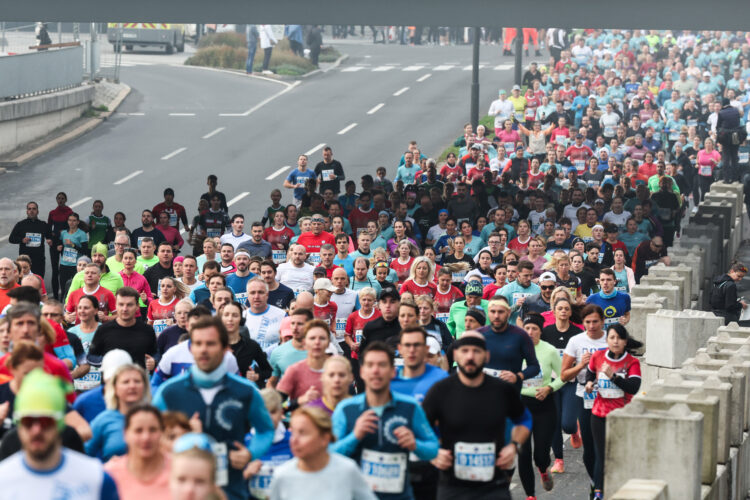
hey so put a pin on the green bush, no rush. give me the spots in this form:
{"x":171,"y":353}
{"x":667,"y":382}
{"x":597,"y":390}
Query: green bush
{"x":216,"y":55}
{"x":229,"y":38}
{"x":489,"y":125}
{"x":328,"y":55}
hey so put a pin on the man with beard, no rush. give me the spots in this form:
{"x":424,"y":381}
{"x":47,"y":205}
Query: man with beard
{"x":43,"y":468}
{"x":470,"y":410}
{"x":237,"y":280}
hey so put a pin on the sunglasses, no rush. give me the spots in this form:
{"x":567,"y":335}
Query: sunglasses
{"x":44,"y":422}
{"x":547,"y":287}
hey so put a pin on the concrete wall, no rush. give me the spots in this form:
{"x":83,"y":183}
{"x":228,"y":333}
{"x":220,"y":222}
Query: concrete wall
{"x":25,"y":120}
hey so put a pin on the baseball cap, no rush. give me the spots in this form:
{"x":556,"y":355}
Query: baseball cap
{"x":443,"y":211}
{"x":706,"y":73}
{"x":501,"y":92}
{"x":516,"y":87}
{"x":384,"y":212}
{"x":548,"y":276}
{"x":474,"y":287}
{"x":100,"y":248}
{"x":572,"y":169}
{"x":476,"y":145}
{"x":41,"y":395}
{"x":324,"y":284}
{"x":432,"y":345}
{"x":193,"y":440}
{"x":113,"y":360}
{"x":390,"y":291}
{"x":579,"y":136}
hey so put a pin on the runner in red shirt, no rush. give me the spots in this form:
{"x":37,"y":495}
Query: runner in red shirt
{"x":323,"y":307}
{"x":316,"y":238}
{"x":579,"y":154}
{"x":278,"y":234}
{"x":451,"y":172}
{"x":445,"y":293}
{"x":106,"y":303}
{"x":402,"y":268}
{"x":175,"y":211}
{"x":357,"y":320}
{"x":421,"y":276}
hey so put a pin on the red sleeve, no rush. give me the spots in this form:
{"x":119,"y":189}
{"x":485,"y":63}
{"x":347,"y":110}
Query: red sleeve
{"x":72,"y":301}
{"x":61,"y":338}
{"x":349,"y":328}
{"x":150,"y":312}
{"x":634,"y":370}
{"x":111,"y":302}
{"x":594,"y":361}
{"x":287,"y":382}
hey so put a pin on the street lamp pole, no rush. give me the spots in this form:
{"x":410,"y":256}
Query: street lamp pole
{"x":475,"y":80}
{"x":519,"y":55}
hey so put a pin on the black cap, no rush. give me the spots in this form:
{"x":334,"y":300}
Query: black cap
{"x":390,"y":291}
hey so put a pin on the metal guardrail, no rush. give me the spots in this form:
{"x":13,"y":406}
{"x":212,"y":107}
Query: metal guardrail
{"x":24,"y":75}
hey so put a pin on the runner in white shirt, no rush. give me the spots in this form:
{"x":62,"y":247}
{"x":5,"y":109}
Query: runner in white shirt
{"x":236,"y":236}
{"x":296,"y":273}
{"x":347,"y":301}
{"x":501,"y":109}
{"x":262,"y":320}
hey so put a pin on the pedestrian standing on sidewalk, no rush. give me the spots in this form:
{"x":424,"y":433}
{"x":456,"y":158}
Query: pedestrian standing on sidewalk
{"x":314,"y":42}
{"x":267,"y":41}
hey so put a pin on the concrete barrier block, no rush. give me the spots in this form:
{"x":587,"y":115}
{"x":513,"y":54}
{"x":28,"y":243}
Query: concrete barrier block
{"x":693,"y":256}
{"x":710,"y":249}
{"x":674,"y":383}
{"x":668,"y":444}
{"x":715,"y":236}
{"x":735,"y":189}
{"x":734,"y":330}
{"x":720,"y":486}
{"x":679,"y":269}
{"x":674,"y":279}
{"x":672,"y":293}
{"x":721,"y":212}
{"x":702,"y":324}
{"x":704,"y":361}
{"x":726,"y":197}
{"x":696,"y":400}
{"x":733,"y":469}
{"x":737,"y":401}
{"x":640,"y":308}
{"x":642,"y":489}
{"x":670,"y":339}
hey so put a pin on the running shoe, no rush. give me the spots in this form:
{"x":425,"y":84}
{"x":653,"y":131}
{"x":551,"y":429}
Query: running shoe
{"x":530,"y":498}
{"x":598,"y":495}
{"x":558,"y":467}
{"x":575,"y":439}
{"x":547,"y":481}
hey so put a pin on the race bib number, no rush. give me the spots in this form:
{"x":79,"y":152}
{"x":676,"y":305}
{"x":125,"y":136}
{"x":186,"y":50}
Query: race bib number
{"x":535,"y":381}
{"x":588,"y":398}
{"x":398,"y":362}
{"x":278,"y":256}
{"x":567,"y":105}
{"x":561,"y":139}
{"x":692,"y":123}
{"x":327,"y":175}
{"x":213,"y":232}
{"x":474,"y":461}
{"x":580,"y":165}
{"x":222,"y":463}
{"x":517,"y":296}
{"x":657,"y":136}
{"x":610,"y":321}
{"x":607,"y":388}
{"x":459,"y":276}
{"x":508,"y":147}
{"x":706,"y":170}
{"x":384,"y":472}
{"x":241,"y":297}
{"x":744,"y":157}
{"x":35,"y":240}
{"x":160,"y":325}
{"x":69,"y":255}
{"x":140,"y":239}
{"x":358,"y":336}
{"x":518,"y":115}
{"x":173,"y":219}
{"x":609,"y":131}
{"x":314,"y":258}
{"x":340,"y":328}
{"x":492,"y":372}
{"x":92,"y":379}
{"x":442,"y":317}
{"x":674,"y":135}
{"x":260,"y":484}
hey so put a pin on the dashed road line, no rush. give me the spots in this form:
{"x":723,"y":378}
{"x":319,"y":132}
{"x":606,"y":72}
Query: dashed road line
{"x":237,"y":198}
{"x":347,"y":128}
{"x":213,"y":133}
{"x":384,"y":68}
{"x":400,"y":91}
{"x":128,"y":177}
{"x":424,"y":77}
{"x":278,"y":172}
{"x":181,"y":114}
{"x":412,"y":68}
{"x":263,"y":102}
{"x":80,"y":202}
{"x":375,"y":108}
{"x":352,"y":69}
{"x":173,"y":153}
{"x":443,"y":67}
{"x":308,"y":153}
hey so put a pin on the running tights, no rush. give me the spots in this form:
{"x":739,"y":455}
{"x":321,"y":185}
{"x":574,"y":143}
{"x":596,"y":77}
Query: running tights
{"x":544,"y":417}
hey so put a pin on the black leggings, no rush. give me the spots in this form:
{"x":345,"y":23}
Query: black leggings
{"x":544,"y":417}
{"x":704,"y":182}
{"x":598,"y":431}
{"x":66,"y":273}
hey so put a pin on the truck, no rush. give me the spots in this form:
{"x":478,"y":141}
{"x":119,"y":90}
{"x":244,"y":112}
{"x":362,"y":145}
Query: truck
{"x":130,"y":35}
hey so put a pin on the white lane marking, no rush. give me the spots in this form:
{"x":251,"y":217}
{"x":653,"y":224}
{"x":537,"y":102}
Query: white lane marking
{"x":367,"y":57}
{"x":173,"y":153}
{"x":384,"y":68}
{"x":400,"y":91}
{"x":181,"y":114}
{"x":136,"y":114}
{"x":237,"y":198}
{"x":308,"y":153}
{"x":502,"y":67}
{"x":128,"y":177}
{"x":279,"y":171}
{"x":412,"y":68}
{"x":468,"y":68}
{"x":352,"y":69}
{"x":5,"y":237}
{"x":424,"y":77}
{"x":347,"y":128}
{"x":80,"y":202}
{"x":443,"y":67}
{"x":211,"y":134}
{"x":376,"y":108}
{"x":263,"y":102}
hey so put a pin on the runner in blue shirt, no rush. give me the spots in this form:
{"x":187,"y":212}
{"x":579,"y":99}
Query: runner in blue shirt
{"x":298,"y":177}
{"x":615,"y":304}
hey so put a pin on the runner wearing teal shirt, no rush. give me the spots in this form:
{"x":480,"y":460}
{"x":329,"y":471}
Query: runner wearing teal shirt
{"x":517,"y":291}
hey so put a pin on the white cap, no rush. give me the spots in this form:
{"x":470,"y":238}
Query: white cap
{"x":324,"y":284}
{"x":433,"y":345}
{"x":113,"y":360}
{"x":548,"y":276}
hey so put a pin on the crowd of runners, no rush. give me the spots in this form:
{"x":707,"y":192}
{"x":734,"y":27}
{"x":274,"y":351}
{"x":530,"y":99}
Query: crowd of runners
{"x":421,"y":332}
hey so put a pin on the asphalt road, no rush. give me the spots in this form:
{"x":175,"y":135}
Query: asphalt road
{"x":180,"y":124}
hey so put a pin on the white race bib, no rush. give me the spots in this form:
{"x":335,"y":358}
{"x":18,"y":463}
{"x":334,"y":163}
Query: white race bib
{"x":69,"y":255}
{"x":358,"y":336}
{"x":213,"y":232}
{"x":92,"y":379}
{"x":314,"y":258}
{"x":327,"y":175}
{"x":278,"y":256}
{"x":384,"y":472}
{"x":609,"y":131}
{"x":173,"y":219}
{"x":160,"y":325}
{"x":442,"y":317}
{"x":588,"y":398}
{"x":561,"y":139}
{"x":607,"y":388}
{"x":518,"y":295}
{"x":222,"y":463}
{"x":580,"y":165}
{"x":340,"y":329}
{"x":241,"y":298}
{"x":474,"y":461}
{"x":260,"y":484}
{"x":35,"y":240}
{"x":508,"y":147}
{"x":459,"y":276}
{"x":706,"y":170}
{"x":744,"y":157}
{"x":535,"y":381}
{"x":492,"y":372}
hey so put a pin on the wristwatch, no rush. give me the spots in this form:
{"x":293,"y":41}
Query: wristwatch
{"x":517,"y":444}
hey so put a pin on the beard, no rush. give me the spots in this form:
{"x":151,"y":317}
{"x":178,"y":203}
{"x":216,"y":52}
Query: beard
{"x":43,"y":453}
{"x":471,"y":369}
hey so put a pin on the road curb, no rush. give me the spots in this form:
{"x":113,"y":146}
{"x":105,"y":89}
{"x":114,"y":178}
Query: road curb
{"x":77,"y":132}
{"x":335,"y":65}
